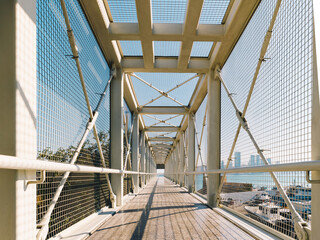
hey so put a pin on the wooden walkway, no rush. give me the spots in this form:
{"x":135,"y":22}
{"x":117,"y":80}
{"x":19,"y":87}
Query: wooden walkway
{"x":164,"y":211}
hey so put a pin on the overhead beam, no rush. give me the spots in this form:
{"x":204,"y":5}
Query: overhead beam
{"x":163,"y":110}
{"x":165,"y":64}
{"x":166,"y":32}
{"x":162,"y":129}
{"x":189,"y":29}
{"x":145,"y":27}
{"x":100,"y":23}
{"x":161,"y":139}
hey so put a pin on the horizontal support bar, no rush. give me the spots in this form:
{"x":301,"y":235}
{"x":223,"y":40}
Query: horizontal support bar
{"x":164,"y":64}
{"x":163,"y":110}
{"x":10,"y":162}
{"x":166,"y":32}
{"x":162,"y":129}
{"x":161,"y":139}
{"x":286,"y":167}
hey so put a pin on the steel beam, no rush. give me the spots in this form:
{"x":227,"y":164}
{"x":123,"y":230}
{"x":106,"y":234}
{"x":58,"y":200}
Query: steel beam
{"x":135,"y":152}
{"x":162,"y":129}
{"x":315,"y":127}
{"x":145,"y":29}
{"x":213,"y":137}
{"x":166,"y":32}
{"x":161,"y":139}
{"x":18,"y":104}
{"x":117,"y":134}
{"x":163,"y":110}
{"x":191,"y":152}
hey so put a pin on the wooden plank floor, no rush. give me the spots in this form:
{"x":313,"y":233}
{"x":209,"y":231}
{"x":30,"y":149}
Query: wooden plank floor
{"x":164,"y":211}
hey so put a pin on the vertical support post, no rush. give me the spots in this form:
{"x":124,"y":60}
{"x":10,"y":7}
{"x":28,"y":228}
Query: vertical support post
{"x":143,"y":158}
{"x":116,"y":134}
{"x":147,"y":162}
{"x":135,"y":152}
{"x":315,"y":126}
{"x":213,"y":135}
{"x":191,"y":152}
{"x":182,"y":159}
{"x":18,"y":91}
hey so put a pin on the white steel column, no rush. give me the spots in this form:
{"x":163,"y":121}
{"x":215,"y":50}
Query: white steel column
{"x":182,"y":159}
{"x":142,"y":158}
{"x":135,"y":152}
{"x":116,"y":135}
{"x":191,"y":152}
{"x":147,"y":162}
{"x":315,"y":132}
{"x":18,"y":90}
{"x":213,"y":136}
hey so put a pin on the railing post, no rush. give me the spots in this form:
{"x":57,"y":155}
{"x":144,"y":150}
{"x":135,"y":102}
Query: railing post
{"x":116,"y":134}
{"x":18,"y":91}
{"x":191,"y":152}
{"x":181,"y":169}
{"x":142,"y":158}
{"x":135,"y":152}
{"x":213,"y":135}
{"x":315,"y":127}
{"x":147,"y":162}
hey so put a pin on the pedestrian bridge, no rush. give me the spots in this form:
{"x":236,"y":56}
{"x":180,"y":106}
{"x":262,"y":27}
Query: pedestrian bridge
{"x":159,"y":119}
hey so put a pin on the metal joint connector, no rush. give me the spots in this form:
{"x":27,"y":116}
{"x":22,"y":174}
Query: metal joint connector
{"x":242,"y":120}
{"x":309,"y":180}
{"x":93,"y":121}
{"x":302,"y":230}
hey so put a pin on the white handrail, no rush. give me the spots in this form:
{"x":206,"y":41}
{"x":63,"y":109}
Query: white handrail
{"x":10,"y":162}
{"x":286,"y":167}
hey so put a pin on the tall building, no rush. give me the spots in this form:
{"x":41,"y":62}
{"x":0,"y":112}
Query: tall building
{"x":269,"y":160}
{"x":237,"y":159}
{"x":222,"y":165}
{"x":258,"y":160}
{"x":252,"y":161}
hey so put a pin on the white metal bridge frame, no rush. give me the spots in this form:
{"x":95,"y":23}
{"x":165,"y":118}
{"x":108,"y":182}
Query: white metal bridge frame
{"x":177,"y":152}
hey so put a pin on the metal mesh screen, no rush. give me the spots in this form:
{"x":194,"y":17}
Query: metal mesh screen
{"x":168,"y":11}
{"x":62,"y":114}
{"x":279,"y":113}
{"x":127,"y":181}
{"x":201,"y":141}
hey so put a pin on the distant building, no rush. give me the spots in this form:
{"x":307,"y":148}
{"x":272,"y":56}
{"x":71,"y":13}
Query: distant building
{"x":237,"y":159}
{"x":252,"y":161}
{"x":222,"y":165}
{"x":269,"y":160}
{"x":258,"y":160}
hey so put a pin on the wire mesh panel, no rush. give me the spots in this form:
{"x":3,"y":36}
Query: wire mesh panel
{"x":201,"y":143}
{"x":62,"y":114}
{"x":279,"y":113}
{"x":168,"y":11}
{"x":127,"y":181}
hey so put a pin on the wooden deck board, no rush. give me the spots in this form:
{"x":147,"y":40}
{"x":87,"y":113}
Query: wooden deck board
{"x":164,"y":211}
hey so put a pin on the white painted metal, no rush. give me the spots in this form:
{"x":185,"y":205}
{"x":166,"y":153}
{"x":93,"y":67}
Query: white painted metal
{"x":161,"y":139}
{"x":19,"y":163}
{"x":191,"y":152}
{"x":213,"y":137}
{"x":172,"y":89}
{"x":18,"y":104}
{"x":315,"y":127}
{"x":165,"y":94}
{"x":286,"y":167}
{"x":116,"y":134}
{"x":143,"y":157}
{"x":135,"y":153}
{"x":162,"y":129}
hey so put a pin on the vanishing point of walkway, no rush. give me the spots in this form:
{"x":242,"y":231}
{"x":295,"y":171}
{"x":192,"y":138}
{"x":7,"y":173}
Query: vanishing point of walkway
{"x":163,"y":210}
